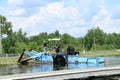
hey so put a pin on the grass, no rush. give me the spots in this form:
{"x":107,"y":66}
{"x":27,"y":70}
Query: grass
{"x":13,"y":60}
{"x":101,"y":53}
{"x":8,"y":60}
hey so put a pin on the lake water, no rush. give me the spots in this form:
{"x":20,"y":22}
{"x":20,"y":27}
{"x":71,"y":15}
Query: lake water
{"x":31,"y":68}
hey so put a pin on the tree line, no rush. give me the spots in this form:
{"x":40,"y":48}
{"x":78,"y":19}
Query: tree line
{"x":95,"y":39}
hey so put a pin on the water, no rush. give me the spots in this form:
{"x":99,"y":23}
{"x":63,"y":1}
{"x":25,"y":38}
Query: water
{"x":31,"y":68}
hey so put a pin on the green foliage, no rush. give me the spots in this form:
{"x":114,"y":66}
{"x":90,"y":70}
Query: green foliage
{"x":19,"y":46}
{"x":95,"y":39}
{"x":101,"y":47}
{"x":32,"y":45}
{"x":6,"y":26}
{"x":94,"y":36}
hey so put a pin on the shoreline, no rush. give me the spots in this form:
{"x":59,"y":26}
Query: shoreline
{"x":13,"y":60}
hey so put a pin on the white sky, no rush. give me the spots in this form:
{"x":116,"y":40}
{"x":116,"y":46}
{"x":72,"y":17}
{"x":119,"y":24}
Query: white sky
{"x":74,"y":17}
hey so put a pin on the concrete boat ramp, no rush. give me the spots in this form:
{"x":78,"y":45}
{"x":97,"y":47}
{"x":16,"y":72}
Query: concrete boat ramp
{"x":66,"y":74}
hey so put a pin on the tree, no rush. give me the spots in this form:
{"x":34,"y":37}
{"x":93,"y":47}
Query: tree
{"x":100,"y":36}
{"x":93,"y":37}
{"x":89,"y":39}
{"x":67,"y":40}
{"x":9,"y":41}
{"x":8,"y":44}
{"x":6,"y":26}
{"x":79,"y":44}
{"x":57,"y":33}
{"x":20,"y":36}
{"x":19,"y":46}
{"x":6,"y":29}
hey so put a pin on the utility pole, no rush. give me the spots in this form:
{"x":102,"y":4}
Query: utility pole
{"x":94,"y":40}
{"x":0,"y":38}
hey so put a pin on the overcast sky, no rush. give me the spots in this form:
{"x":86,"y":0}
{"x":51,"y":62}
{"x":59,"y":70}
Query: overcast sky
{"x":74,"y":17}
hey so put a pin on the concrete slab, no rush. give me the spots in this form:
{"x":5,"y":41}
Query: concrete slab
{"x":65,"y":74}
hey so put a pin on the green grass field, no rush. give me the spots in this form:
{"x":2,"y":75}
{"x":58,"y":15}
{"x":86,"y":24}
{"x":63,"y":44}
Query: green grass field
{"x":101,"y":53}
{"x":8,"y":60}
